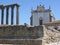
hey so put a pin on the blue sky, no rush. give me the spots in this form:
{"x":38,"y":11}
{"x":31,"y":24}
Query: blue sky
{"x":26,"y":5}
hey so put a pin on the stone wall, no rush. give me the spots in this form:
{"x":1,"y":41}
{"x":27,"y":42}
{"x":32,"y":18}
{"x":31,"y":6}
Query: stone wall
{"x":22,"y":42}
{"x":28,"y":35}
{"x":21,"y":32}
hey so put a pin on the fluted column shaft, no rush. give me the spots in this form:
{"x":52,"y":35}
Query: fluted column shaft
{"x":12,"y":15}
{"x":7,"y":13}
{"x":2,"y":16}
{"x":17,"y":16}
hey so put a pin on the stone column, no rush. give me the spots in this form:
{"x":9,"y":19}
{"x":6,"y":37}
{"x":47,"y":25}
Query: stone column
{"x":12,"y":15}
{"x":2,"y":16}
{"x":7,"y":13}
{"x":17,"y":15}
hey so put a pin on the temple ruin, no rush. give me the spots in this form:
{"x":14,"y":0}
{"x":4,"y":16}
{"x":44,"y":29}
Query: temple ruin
{"x":26,"y":35}
{"x":2,"y":7}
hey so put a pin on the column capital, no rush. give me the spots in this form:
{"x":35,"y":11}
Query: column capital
{"x":2,"y":7}
{"x":7,"y":7}
{"x":12,"y":7}
{"x":16,"y":5}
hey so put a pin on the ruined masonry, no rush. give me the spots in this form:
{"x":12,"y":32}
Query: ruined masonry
{"x":23,"y":34}
{"x":2,"y":7}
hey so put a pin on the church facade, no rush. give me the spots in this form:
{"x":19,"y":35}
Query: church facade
{"x":41,"y":16}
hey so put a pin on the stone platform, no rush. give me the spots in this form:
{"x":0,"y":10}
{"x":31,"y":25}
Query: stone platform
{"x":24,"y":42}
{"x":20,"y":34}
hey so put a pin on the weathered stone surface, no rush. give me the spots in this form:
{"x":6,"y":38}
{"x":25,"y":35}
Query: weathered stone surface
{"x":25,"y":42}
{"x":21,"y":32}
{"x":51,"y":36}
{"x":21,"y":35}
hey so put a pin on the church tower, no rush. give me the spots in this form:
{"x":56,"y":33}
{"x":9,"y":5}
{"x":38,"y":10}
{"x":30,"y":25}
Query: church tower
{"x":41,"y":16}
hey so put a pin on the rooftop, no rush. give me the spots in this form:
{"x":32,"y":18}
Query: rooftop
{"x":41,"y":8}
{"x":53,"y":23}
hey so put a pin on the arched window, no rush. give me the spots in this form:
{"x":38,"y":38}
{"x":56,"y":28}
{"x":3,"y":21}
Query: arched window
{"x":40,"y":21}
